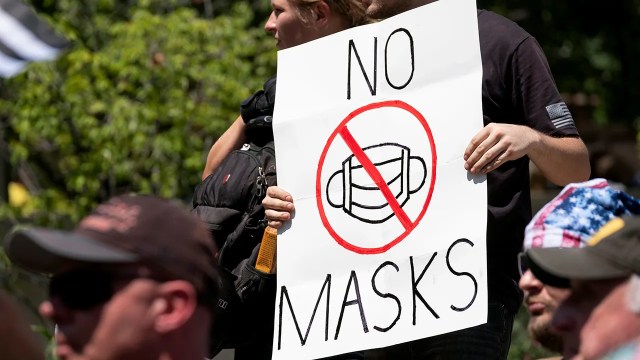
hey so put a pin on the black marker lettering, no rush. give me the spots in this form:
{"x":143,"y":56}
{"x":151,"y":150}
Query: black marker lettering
{"x":386,"y":295}
{"x":475,"y":283}
{"x":352,"y":279}
{"x":303,"y":340}
{"x":414,"y":288}
{"x":372,"y":88}
{"x":386,"y":59}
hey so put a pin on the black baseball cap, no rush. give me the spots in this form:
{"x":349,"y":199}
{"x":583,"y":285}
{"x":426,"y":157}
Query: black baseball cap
{"x":125,"y":230}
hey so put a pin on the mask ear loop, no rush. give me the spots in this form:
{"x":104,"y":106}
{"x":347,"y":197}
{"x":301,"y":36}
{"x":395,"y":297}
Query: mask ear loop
{"x":633,"y":294}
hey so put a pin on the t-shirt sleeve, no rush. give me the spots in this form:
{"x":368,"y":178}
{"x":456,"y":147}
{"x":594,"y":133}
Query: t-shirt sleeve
{"x":535,"y":92}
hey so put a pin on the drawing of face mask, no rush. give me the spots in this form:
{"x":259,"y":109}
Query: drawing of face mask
{"x":353,"y":189}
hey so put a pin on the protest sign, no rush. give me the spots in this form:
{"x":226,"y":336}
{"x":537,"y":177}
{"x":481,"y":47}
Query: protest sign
{"x":387,"y":243}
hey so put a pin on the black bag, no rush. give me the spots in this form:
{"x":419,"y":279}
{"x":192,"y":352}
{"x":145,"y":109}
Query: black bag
{"x":229,"y":202}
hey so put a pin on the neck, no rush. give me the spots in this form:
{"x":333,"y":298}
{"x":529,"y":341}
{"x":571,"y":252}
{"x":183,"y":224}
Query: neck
{"x":185,"y":350}
{"x":191,"y":343}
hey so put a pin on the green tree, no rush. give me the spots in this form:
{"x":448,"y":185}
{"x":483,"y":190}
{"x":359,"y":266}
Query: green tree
{"x":132,"y":107}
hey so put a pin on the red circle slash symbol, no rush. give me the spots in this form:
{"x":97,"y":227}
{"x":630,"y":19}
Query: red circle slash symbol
{"x":362,"y":156}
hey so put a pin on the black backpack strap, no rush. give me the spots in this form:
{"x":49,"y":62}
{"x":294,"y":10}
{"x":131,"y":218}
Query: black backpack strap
{"x":261,"y":103}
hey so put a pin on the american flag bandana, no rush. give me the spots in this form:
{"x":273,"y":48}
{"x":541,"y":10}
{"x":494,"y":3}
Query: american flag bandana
{"x":578,"y":212}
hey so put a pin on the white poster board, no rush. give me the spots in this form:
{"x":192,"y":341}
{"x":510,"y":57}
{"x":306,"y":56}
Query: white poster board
{"x":387,"y":243}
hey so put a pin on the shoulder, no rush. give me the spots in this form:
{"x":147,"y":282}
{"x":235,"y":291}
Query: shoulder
{"x":488,"y":20}
{"x":499,"y":33}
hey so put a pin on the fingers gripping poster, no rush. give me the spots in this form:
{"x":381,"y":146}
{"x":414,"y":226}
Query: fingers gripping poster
{"x":387,"y":241}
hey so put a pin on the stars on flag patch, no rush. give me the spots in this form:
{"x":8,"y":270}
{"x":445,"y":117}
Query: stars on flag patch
{"x":560,"y":115}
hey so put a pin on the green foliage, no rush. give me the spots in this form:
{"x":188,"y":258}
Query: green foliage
{"x":133,"y":107}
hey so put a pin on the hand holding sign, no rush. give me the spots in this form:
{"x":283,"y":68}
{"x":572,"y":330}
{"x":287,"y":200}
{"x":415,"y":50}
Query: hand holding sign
{"x":278,"y":206}
{"x":496,"y":144}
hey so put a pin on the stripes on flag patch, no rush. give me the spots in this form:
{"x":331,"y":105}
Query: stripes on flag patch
{"x":24,"y":37}
{"x":560,"y":115}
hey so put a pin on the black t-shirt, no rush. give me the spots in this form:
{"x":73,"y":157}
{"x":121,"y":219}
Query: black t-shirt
{"x":517,"y":88}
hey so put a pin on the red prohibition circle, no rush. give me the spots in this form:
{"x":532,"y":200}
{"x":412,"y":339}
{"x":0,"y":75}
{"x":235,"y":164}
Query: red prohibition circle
{"x":375,"y":250}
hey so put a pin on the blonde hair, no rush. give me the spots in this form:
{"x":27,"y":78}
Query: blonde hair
{"x":354,"y":10}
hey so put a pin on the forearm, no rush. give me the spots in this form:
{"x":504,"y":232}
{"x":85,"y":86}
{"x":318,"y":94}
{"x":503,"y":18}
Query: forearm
{"x":561,"y":160}
{"x":232,"y":139}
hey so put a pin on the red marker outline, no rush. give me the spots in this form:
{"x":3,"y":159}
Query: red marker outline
{"x":368,"y":165}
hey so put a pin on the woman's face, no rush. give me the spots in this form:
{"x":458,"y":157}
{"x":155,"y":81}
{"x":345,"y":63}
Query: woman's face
{"x":287,"y":27}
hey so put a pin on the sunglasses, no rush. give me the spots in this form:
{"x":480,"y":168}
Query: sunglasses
{"x":523,"y":266}
{"x":86,"y":288}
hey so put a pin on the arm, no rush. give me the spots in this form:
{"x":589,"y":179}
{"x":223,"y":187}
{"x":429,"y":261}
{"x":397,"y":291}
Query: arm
{"x":562,"y":160}
{"x":525,"y":115}
{"x":232,"y":139}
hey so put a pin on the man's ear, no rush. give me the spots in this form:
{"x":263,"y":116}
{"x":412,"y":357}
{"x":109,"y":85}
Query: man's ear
{"x":322,"y":12}
{"x":175,"y":305}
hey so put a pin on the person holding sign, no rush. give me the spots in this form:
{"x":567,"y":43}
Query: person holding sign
{"x":292,"y":22}
{"x":525,"y":119}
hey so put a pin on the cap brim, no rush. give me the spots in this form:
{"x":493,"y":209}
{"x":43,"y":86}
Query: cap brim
{"x":556,"y":266}
{"x":47,"y":251}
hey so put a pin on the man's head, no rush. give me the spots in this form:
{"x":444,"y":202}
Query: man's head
{"x":134,"y":280}
{"x":382,"y":9}
{"x":295,"y":22}
{"x":598,"y":310}
{"x":567,"y":221}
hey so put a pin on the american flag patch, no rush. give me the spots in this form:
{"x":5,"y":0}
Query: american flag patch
{"x":560,"y":115}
